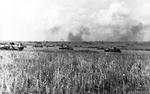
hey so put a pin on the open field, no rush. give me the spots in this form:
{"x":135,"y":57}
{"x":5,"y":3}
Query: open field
{"x":52,"y":71}
{"x":93,"y":44}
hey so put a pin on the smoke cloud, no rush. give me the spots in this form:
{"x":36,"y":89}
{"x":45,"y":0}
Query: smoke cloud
{"x":55,"y":29}
{"x":134,"y":33}
{"x":75,"y":20}
{"x":79,"y":36}
{"x":115,"y":23}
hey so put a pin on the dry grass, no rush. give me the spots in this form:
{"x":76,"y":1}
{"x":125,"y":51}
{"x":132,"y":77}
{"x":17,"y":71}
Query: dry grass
{"x":73,"y":73}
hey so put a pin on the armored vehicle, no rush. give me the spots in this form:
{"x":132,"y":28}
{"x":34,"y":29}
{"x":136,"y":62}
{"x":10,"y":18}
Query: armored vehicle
{"x":66,"y":47}
{"x":113,"y":49}
{"x":12,"y":46}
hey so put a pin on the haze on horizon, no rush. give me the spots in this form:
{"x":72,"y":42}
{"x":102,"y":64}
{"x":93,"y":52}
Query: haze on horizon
{"x":75,"y":20}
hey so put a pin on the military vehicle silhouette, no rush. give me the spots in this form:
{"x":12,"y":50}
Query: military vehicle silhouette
{"x":113,"y":49}
{"x":12,"y":46}
{"x":66,"y":47}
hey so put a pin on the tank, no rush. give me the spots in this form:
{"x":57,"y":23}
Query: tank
{"x":114,"y":49}
{"x":12,"y":46}
{"x":66,"y":47}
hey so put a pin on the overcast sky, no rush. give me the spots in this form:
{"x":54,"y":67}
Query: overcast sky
{"x":56,"y":20}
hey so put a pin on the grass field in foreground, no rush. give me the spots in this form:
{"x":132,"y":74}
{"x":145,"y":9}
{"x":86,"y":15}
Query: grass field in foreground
{"x":37,"y":72}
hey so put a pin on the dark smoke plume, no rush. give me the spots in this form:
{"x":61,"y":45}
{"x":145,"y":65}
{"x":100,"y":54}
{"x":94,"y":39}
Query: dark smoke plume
{"x":78,"y":37}
{"x":110,"y":24}
{"x":55,"y":29}
{"x":130,"y":33}
{"x":134,"y":34}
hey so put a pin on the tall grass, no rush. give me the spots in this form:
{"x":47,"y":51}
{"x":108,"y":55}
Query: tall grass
{"x":74,"y":73}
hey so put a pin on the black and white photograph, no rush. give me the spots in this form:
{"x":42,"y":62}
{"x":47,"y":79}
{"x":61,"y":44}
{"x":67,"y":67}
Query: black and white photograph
{"x":74,"y":46}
